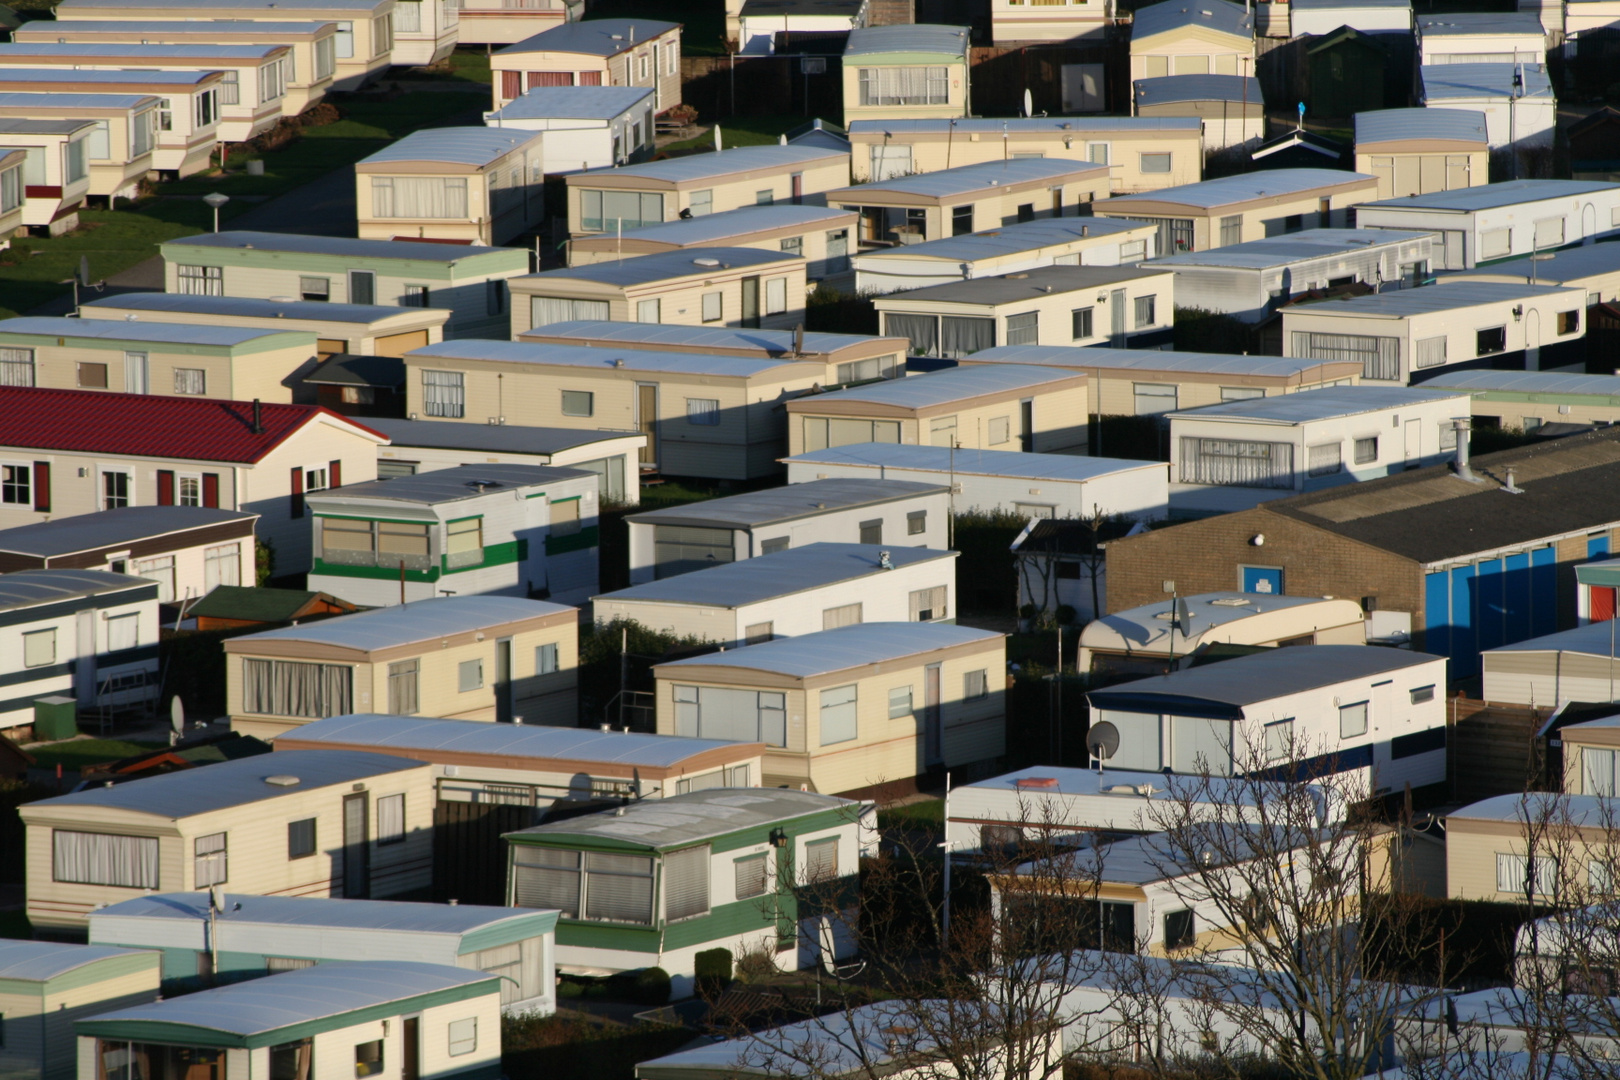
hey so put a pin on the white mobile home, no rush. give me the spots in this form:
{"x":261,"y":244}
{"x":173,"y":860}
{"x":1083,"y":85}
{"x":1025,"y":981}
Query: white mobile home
{"x":474,"y":185}
{"x":1251,"y":280}
{"x":1528,"y":399}
{"x":1497,"y":37}
{"x":1421,"y":151}
{"x":1030,"y":485}
{"x":1230,"y":107}
{"x":1379,"y":713}
{"x":119,"y":152}
{"x":1572,"y":665}
{"x":1090,"y":241}
{"x":1592,"y":267}
{"x":1404,"y":337}
{"x":576,"y":51}
{"x":255,"y":936}
{"x":1322,"y":17}
{"x":1517,"y":100}
{"x":818,"y":233}
{"x":1489,"y":222}
{"x":867,"y":510}
{"x":418,"y":446}
{"x":906,"y":71}
{"x":759,"y":21}
{"x":55,"y":176}
{"x":505,"y":530}
{"x":587,"y":127}
{"x":805,"y":590}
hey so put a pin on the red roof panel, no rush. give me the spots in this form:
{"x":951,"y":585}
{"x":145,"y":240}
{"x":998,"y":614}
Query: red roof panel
{"x":141,"y":425}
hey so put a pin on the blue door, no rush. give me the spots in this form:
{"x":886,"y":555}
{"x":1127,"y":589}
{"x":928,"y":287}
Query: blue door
{"x":1261,"y":579}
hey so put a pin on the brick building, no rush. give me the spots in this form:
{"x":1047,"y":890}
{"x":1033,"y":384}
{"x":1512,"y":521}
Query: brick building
{"x":1449,"y":566}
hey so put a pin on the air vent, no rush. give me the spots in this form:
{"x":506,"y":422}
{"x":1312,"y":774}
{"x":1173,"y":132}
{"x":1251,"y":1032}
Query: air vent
{"x":282,"y":780}
{"x":1231,"y":601}
{"x":705,"y":262}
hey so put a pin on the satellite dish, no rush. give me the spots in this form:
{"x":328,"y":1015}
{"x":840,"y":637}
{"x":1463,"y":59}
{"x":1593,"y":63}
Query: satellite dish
{"x":177,"y":715}
{"x":1029,"y":104}
{"x":1102,"y":741}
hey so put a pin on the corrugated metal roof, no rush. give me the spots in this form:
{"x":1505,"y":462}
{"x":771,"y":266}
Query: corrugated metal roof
{"x":298,"y":243}
{"x":240,"y":305}
{"x":1289,"y":248}
{"x":1030,"y":284}
{"x":790,"y":502}
{"x":909,"y":38}
{"x":1080,"y":125}
{"x":409,"y":624}
{"x":847,"y":647}
{"x":322,"y":992}
{"x":1174,"y":88}
{"x":1244,"y":187}
{"x":1068,"y":356}
{"x":1464,"y":82}
{"x":1530,"y":382}
{"x":111,"y":528}
{"x":56,"y":75}
{"x":711,"y":229}
{"x":774,"y":343}
{"x":1480,"y":23}
{"x":450,"y":485}
{"x":594,"y":37}
{"x":1007,"y":240}
{"x":14,"y":100}
{"x":573,"y":103}
{"x":1446,"y":296}
{"x":41,"y":961}
{"x":668,"y":265}
{"x":689,"y":818}
{"x":522,"y":352}
{"x":1220,"y":15}
{"x":507,"y":438}
{"x":781,"y":573}
{"x":30,"y":588}
{"x":942,"y":387}
{"x":320,"y":911}
{"x":970,"y":462}
{"x":971,"y":178}
{"x":708,"y":166}
{"x":148,"y":332}
{"x":1569,"y":264}
{"x":455,"y":145}
{"x":72,"y":28}
{"x":585,"y":745}
{"x":1489,"y":196}
{"x":218,"y":52}
{"x":235,"y":783}
{"x":1323,"y":404}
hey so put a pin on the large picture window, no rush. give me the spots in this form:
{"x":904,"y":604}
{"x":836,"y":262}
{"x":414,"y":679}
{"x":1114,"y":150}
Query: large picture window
{"x":1379,"y":357}
{"x":905,"y":85}
{"x":611,"y":211}
{"x":352,"y":542}
{"x":436,"y":197}
{"x":296,"y":688}
{"x":83,"y":858}
{"x":715,"y":712}
{"x":209,"y":865}
{"x":545,"y":310}
{"x":1236,"y":463}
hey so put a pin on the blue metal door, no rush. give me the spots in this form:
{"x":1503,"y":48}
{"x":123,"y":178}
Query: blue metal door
{"x":1261,"y":579}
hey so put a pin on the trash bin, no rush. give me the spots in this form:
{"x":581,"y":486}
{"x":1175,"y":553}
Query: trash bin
{"x":55,"y":717}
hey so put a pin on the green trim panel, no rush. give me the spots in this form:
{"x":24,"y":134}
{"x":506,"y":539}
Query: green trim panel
{"x":513,"y":551}
{"x":97,"y":971}
{"x":584,"y":539}
{"x":508,"y":932}
{"x":390,"y":573}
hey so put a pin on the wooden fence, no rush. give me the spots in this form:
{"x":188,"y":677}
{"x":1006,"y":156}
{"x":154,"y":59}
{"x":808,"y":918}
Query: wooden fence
{"x":1493,"y":749}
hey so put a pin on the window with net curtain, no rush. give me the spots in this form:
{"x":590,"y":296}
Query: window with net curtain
{"x":904,"y":85}
{"x":1024,"y":328}
{"x":838,"y":715}
{"x":921,"y":330}
{"x":1325,"y":459}
{"x":717,"y":712}
{"x":85,"y":858}
{"x":545,"y":310}
{"x":296,"y":688}
{"x":1379,"y":357}
{"x":16,"y":367}
{"x":1236,"y":463}
{"x":961,"y":335}
{"x":419,"y":196}
{"x":443,"y":393}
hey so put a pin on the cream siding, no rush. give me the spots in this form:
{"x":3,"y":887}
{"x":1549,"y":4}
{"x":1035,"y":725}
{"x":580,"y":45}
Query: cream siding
{"x":522,"y":168}
{"x":360,"y":338}
{"x":266,"y":374}
{"x":727,"y":192}
{"x":814,"y":241}
{"x":622,"y":69}
{"x":1060,"y":419}
{"x":680,"y":300}
{"x":1260,"y":218}
{"x":1420,"y":168}
{"x":1191,"y":50}
{"x":884,"y":212}
{"x":932,"y":152}
{"x":956,"y":96}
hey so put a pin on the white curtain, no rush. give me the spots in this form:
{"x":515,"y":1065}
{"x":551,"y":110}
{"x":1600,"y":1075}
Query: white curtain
{"x":222,"y":566}
{"x":443,"y":393}
{"x":1236,"y":463}
{"x":418,"y":196}
{"x":1378,"y":356}
{"x":390,"y":819}
{"x":904,"y":85}
{"x":210,"y":866}
{"x":837,"y":715}
{"x":123,"y":632}
{"x":545,"y":310}
{"x":16,"y":367}
{"x":83,"y":858}
{"x":293,"y":688}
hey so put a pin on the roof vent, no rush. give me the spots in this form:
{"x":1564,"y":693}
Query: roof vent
{"x":705,"y":262}
{"x":281,"y":780}
{"x":1231,"y":601}
{"x":1036,"y":782}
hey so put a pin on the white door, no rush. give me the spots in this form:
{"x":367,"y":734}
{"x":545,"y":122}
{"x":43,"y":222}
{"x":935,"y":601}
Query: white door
{"x":1453,"y":259}
{"x":1082,"y":87}
{"x":1532,"y":340}
{"x":1414,"y":443}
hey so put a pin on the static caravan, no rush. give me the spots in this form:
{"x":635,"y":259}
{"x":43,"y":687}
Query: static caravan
{"x":1323,"y":17}
{"x":1230,"y":108}
{"x":1377,"y":712}
{"x":894,"y":701}
{"x":906,"y":72}
{"x":1007,"y":250}
{"x":722,"y":868}
{"x":1517,"y":116}
{"x":914,"y":208}
{"x":715,"y":416}
{"x":1249,"y":206}
{"x":1050,"y":305}
{"x":792,"y":593}
{"x":1241,"y":453}
{"x":1528,"y":399}
{"x":584,"y":52}
{"x":188,"y":549}
{"x":419,"y":446}
{"x":868,"y":510}
{"x":86,"y":639}
{"x":1148,"y":382}
{"x":83,"y":450}
{"x":252,"y":90}
{"x":188,"y":115}
{"x":50,"y":985}
{"x":470,"y":281}
{"x":1013,"y":22}
{"x":759,"y":21}
{"x":1145,"y":640}
{"x":1250,"y":281}
{"x":1005,"y":407}
{"x":360,"y":51}
{"x":239,"y":363}
{"x":587,"y":127}
{"x":502,"y":530}
{"x":308,"y":75}
{"x":363,"y":329}
{"x":118,"y":152}
{"x":1142,"y":153}
{"x":535,"y":766}
{"x":1593,"y":267}
{"x":1572,"y":665}
{"x":1491,"y":222}
{"x":1030,"y":485}
{"x":428,"y":1017}
{"x":1168,"y":39}
{"x":847,"y":358}
{"x":818,"y":233}
{"x":326,"y":823}
{"x":55,"y":174}
{"x":1411,"y":335}
{"x":493,"y":22}
{"x":470,"y":184}
{"x":426,"y":32}
{"x":611,"y":201}
{"x":1488,"y":851}
{"x":256,"y":936}
{"x":1590,"y":754}
{"x":1421,"y":151}
{"x":724,"y":286}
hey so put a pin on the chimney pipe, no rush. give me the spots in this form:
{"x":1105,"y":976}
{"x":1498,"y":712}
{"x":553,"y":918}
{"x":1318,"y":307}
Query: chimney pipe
{"x":258,"y":418}
{"x":1462,"y":426}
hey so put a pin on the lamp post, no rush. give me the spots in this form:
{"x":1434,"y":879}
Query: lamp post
{"x":215,"y":200}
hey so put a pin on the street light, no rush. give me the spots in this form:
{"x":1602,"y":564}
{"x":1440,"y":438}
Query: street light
{"x":216,"y":200}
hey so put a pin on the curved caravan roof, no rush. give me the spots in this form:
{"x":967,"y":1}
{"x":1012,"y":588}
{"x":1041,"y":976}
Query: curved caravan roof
{"x":1224,"y":617}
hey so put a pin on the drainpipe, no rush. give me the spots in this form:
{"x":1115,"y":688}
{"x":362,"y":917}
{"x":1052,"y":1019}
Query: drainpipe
{"x":1462,"y":426}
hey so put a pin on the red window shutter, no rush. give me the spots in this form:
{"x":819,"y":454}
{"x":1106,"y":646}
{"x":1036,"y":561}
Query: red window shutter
{"x":511,"y":84}
{"x":1602,"y":604}
{"x":297,"y":507}
{"x":42,"y":487}
{"x":165,"y":478}
{"x":211,"y":489}
{"x":334,"y":474}
{"x":590,"y":78}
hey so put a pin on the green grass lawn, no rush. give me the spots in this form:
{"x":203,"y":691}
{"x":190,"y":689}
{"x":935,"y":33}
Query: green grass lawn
{"x":77,"y":753}
{"x":743,"y":131}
